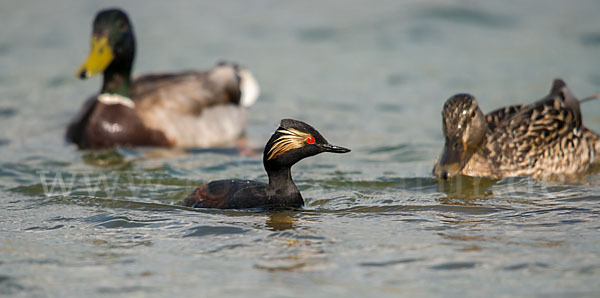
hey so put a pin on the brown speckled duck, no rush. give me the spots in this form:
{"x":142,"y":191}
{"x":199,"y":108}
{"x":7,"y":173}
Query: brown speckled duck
{"x":186,"y":109}
{"x":545,"y":140}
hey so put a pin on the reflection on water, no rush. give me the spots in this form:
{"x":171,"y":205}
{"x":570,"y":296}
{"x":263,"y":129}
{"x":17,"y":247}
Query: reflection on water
{"x":280,"y":220}
{"x":465,"y":188}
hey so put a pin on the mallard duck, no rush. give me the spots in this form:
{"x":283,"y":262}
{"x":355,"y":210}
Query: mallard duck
{"x":293,"y":141}
{"x":186,"y":109}
{"x":545,"y":140}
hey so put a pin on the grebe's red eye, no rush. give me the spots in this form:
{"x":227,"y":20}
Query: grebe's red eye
{"x":310,"y":140}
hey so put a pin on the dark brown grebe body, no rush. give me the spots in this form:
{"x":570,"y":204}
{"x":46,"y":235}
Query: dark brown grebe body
{"x":291,"y":142}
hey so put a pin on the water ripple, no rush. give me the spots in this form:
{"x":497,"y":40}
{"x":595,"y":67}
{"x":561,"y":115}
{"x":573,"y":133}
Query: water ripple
{"x":467,"y":15}
{"x":37,"y":228}
{"x":9,"y":285}
{"x":454,"y":266}
{"x":407,"y":208}
{"x":590,"y":39}
{"x":390,"y":263}
{"x":526,"y":266}
{"x":202,"y":231}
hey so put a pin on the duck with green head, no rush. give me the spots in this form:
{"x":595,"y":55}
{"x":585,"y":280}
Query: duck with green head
{"x":545,"y":140}
{"x":185,"y":109}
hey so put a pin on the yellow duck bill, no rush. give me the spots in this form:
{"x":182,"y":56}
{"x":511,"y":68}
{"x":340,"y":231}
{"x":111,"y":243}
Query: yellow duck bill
{"x":101,"y":55}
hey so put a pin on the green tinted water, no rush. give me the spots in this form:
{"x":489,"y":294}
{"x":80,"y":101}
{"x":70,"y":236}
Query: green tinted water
{"x":370,"y":77}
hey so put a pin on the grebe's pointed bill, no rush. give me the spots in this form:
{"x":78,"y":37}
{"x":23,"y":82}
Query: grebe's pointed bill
{"x":333,"y":148}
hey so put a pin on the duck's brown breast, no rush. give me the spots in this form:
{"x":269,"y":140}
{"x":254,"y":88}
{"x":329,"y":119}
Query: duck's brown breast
{"x":105,"y":125}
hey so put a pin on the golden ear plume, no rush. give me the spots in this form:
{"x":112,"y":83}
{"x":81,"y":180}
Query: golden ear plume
{"x":290,"y":139}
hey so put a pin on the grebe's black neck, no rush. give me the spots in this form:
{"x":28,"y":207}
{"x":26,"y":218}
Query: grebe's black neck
{"x":280,"y":177}
{"x":280,"y":181}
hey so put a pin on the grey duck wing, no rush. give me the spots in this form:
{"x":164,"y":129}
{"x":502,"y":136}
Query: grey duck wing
{"x":196,"y":87}
{"x":187,"y":92}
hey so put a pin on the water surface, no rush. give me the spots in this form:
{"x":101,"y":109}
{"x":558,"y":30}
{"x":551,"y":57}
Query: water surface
{"x":370,"y":77}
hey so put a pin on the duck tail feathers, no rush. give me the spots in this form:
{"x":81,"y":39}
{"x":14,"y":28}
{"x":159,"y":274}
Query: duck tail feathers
{"x":249,"y":88}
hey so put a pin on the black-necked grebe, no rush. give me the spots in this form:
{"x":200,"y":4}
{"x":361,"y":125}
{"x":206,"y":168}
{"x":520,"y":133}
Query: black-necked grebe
{"x":291,"y":142}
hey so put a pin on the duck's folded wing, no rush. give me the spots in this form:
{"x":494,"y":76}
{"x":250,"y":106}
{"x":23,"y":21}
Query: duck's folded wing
{"x":186,"y":93}
{"x":499,"y":116}
{"x":559,"y":91}
{"x":191,"y":92}
{"x":535,"y":130}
